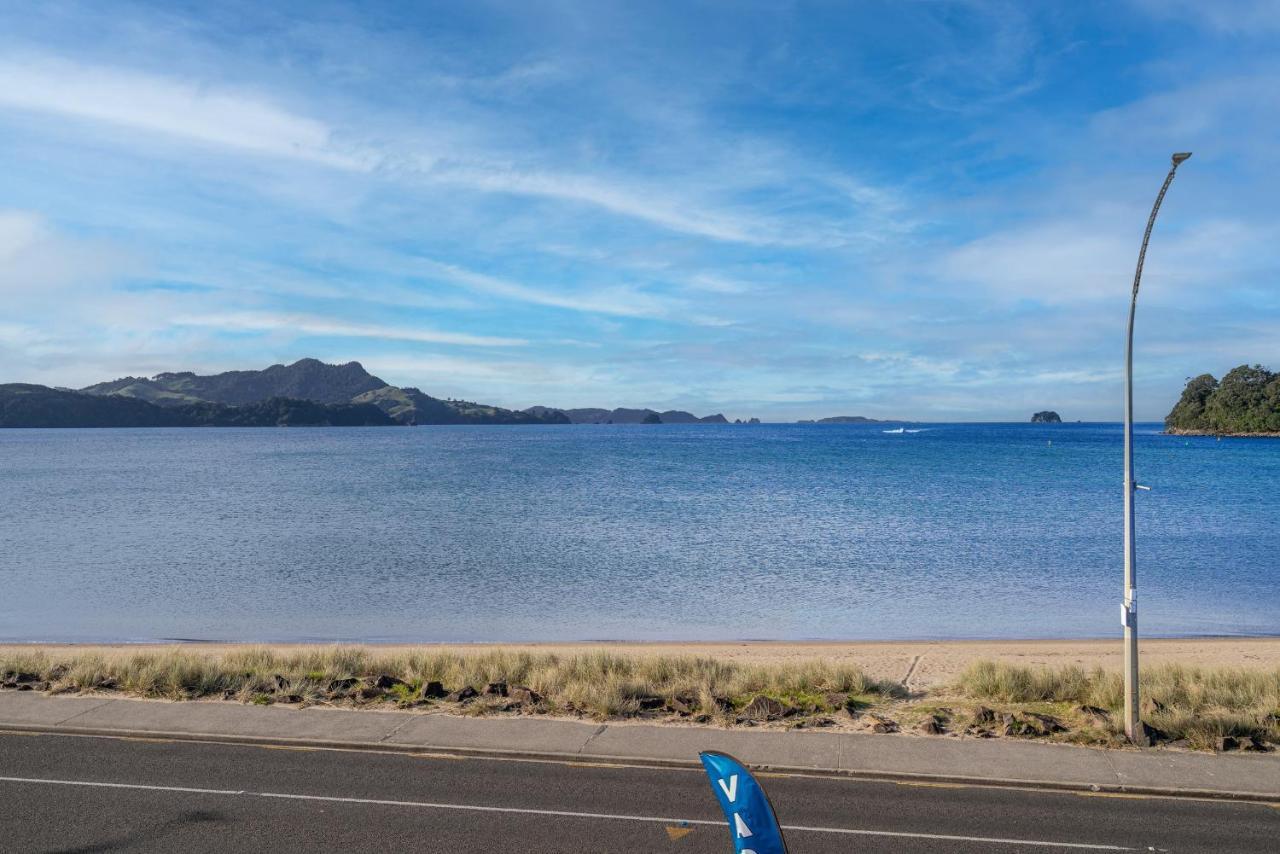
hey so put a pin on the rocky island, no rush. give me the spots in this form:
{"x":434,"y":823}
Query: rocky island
{"x":1046,"y":417}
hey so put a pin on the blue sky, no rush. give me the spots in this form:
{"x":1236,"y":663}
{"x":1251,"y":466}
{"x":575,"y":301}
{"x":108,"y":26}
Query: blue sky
{"x":915,"y":209}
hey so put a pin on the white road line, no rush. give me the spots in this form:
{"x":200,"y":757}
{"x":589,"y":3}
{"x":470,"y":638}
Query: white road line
{"x":989,"y":840}
{"x":101,"y":785}
{"x":478,"y":808}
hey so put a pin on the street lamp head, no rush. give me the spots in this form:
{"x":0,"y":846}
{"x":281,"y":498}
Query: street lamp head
{"x":1180,"y":156}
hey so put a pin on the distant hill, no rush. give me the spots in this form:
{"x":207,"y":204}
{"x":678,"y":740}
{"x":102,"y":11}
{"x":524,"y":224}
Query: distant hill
{"x":306,"y":379}
{"x":676,"y":416}
{"x":411,"y":406}
{"x":23,"y":405}
{"x":628,"y":416}
{"x":39,"y":406}
{"x":306,"y":392}
{"x":315,"y":381}
{"x":1046,"y":417}
{"x":286,"y":412}
{"x":1245,"y":403}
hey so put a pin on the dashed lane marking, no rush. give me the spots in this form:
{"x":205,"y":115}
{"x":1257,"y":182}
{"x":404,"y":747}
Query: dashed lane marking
{"x":1121,"y":795}
{"x":451,"y":756}
{"x":289,"y":747}
{"x":595,"y":765}
{"x":924,"y":784}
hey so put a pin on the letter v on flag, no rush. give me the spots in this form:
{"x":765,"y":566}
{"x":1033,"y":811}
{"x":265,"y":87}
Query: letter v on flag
{"x":752,"y":823}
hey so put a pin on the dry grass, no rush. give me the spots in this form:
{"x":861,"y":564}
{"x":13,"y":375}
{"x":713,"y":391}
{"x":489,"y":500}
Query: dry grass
{"x":1196,"y":704}
{"x":600,"y":684}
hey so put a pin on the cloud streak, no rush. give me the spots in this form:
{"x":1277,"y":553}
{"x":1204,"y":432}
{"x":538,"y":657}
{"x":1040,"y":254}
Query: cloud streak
{"x":214,"y":115}
{"x":297,"y":325}
{"x":624,"y":302}
{"x":177,"y":108}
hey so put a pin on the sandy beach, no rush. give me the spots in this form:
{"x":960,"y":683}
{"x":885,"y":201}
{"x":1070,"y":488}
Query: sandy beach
{"x":920,"y":664}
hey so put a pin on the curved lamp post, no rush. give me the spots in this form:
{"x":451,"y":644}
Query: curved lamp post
{"x":1132,"y":722}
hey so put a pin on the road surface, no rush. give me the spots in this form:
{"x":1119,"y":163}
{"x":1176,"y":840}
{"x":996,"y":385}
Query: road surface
{"x":61,"y":793}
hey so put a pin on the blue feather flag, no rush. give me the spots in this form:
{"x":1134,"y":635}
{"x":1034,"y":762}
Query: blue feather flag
{"x":752,"y":823}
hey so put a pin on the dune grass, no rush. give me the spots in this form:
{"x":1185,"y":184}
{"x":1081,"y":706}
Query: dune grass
{"x":1196,"y":704}
{"x":600,"y":684}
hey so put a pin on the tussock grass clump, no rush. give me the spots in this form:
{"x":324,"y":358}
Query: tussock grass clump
{"x":1009,"y":683}
{"x":1192,"y":703}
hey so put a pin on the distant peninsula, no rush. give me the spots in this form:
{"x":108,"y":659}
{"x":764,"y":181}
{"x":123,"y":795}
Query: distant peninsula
{"x":628,"y":416}
{"x":308,"y":393}
{"x":1048,"y":416}
{"x":1246,"y":402}
{"x":847,"y":419}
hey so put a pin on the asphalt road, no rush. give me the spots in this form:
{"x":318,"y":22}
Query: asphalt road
{"x":79,"y":794}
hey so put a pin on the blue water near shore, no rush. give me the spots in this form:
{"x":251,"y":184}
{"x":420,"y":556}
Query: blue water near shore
{"x":628,"y":532}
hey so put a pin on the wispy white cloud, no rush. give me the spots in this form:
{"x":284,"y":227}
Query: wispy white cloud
{"x":991,"y":56}
{"x":622,"y":301}
{"x":717,"y":284}
{"x":303,"y":325}
{"x":211,"y":114}
{"x":38,"y":262}
{"x":1243,"y":17}
{"x":437,"y":370}
{"x":1060,"y":261}
{"x":18,"y":231}
{"x":650,"y":204}
{"x":1054,"y":263}
{"x":179,"y":108}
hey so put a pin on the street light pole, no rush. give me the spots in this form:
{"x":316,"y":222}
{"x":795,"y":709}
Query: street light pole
{"x":1132,"y":722}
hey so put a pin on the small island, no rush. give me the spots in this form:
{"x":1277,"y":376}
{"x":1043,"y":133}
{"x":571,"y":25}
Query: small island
{"x":1246,"y":402}
{"x":1048,"y":416}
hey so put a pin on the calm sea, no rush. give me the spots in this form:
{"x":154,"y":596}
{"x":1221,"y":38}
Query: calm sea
{"x":628,"y":532}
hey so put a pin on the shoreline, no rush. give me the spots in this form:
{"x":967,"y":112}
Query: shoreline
{"x":919,"y":664}
{"x":1168,"y":432}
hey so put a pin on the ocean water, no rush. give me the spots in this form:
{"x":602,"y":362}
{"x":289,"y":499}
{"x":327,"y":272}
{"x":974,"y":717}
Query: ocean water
{"x":629,"y":532}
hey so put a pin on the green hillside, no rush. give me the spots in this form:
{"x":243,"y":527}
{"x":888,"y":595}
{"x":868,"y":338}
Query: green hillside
{"x":1245,"y":402}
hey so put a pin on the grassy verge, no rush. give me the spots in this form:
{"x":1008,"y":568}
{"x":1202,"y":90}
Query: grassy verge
{"x":1196,"y":707}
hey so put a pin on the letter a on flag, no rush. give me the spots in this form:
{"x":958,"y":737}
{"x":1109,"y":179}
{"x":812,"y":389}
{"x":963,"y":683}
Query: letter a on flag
{"x":751,"y":820}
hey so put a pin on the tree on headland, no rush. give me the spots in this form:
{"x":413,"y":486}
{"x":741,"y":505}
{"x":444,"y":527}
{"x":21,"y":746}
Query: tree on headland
{"x":1188,"y":413}
{"x":1247,"y":400}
